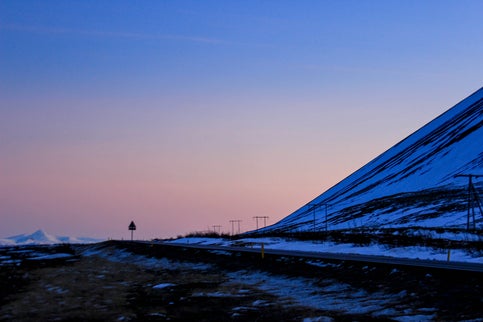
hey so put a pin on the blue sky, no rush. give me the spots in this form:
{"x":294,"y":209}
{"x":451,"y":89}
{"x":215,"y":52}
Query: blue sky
{"x":259,"y":45}
{"x":207,"y":111}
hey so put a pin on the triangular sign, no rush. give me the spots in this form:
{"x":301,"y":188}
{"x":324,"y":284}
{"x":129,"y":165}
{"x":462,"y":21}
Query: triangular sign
{"x":132,"y":226}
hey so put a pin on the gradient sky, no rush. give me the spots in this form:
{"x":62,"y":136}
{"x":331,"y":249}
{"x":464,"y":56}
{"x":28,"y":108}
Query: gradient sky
{"x":181,"y":115}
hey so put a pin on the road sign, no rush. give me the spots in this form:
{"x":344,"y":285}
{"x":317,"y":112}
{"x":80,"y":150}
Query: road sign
{"x":132,"y":228}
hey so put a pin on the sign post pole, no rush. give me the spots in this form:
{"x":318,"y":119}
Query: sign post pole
{"x":132,"y":228}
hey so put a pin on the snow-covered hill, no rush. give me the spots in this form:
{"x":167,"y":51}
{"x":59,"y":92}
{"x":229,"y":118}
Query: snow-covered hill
{"x":411,"y":184}
{"x":40,"y":238}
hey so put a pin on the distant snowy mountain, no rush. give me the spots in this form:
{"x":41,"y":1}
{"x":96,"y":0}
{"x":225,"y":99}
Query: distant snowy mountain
{"x":411,"y":184}
{"x":40,"y":238}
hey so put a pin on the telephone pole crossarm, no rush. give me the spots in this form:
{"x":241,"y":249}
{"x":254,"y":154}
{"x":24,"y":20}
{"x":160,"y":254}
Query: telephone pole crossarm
{"x":233,"y":221}
{"x":261,"y":217}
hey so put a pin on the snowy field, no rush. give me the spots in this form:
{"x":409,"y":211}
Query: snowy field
{"x":415,"y":252}
{"x":460,"y":255}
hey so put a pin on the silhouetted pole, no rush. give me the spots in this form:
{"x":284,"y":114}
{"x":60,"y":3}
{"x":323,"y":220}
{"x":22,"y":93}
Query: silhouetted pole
{"x":132,"y":228}
{"x":326,"y":222}
{"x":312,"y":207}
{"x":264,"y":220}
{"x":471,"y":194}
{"x":233,"y":226}
{"x":217,"y":226}
{"x":478,"y":202}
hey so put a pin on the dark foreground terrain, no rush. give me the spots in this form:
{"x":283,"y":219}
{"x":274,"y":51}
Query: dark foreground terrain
{"x":122,"y":281}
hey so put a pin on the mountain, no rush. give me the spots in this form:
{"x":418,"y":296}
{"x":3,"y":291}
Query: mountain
{"x":414,"y":183}
{"x":42,"y":238}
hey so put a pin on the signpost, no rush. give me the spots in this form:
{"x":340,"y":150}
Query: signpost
{"x":132,"y":228}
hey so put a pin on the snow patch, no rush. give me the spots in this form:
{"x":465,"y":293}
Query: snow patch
{"x":40,"y":237}
{"x":163,"y":285}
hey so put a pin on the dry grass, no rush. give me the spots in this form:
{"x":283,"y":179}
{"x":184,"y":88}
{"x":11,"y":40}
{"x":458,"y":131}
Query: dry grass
{"x":96,"y":289}
{"x":89,"y":289}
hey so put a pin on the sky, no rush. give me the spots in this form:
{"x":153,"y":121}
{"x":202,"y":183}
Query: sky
{"x":183,"y":115}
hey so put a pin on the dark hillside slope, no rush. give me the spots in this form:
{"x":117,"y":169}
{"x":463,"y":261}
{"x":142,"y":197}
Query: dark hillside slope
{"x":411,"y":184}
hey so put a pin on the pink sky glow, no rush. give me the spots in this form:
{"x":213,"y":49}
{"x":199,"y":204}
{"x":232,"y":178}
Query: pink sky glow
{"x":181,"y":115}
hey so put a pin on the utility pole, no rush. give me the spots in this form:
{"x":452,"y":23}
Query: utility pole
{"x":312,"y":206}
{"x":472,"y":197}
{"x":326,"y":222}
{"x":238,"y":221}
{"x":233,"y":226}
{"x":261,"y":217}
{"x":215,"y":227}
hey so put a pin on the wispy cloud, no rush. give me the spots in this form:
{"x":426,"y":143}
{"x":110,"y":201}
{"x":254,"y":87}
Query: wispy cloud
{"x":364,"y":70}
{"x":111,"y":34}
{"x":266,"y":20}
